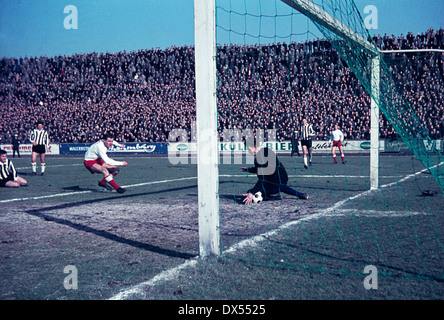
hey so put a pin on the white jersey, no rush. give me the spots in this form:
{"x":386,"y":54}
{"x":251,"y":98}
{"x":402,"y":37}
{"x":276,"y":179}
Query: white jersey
{"x":98,"y":150}
{"x":337,"y":135}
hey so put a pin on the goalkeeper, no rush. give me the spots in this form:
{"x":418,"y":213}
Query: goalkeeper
{"x":272,"y":176}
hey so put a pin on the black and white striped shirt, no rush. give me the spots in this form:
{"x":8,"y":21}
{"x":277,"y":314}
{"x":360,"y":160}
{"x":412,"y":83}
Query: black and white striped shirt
{"x":6,"y":169}
{"x":307,"y":132}
{"x":40,"y":137}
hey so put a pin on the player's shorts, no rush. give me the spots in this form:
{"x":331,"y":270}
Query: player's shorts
{"x":40,"y":148}
{"x":337,"y":143}
{"x":89,"y":163}
{"x":306,"y":143}
{"x":3,"y":181}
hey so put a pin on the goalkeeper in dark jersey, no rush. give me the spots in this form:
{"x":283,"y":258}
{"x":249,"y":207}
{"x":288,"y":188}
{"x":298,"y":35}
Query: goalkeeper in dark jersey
{"x":272,"y":176}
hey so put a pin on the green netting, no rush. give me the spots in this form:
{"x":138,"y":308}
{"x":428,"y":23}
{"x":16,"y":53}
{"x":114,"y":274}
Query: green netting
{"x":275,"y":68}
{"x":356,"y":48}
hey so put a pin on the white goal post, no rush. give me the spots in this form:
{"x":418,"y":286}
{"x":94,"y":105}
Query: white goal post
{"x":323,"y":18}
{"x":206,"y":112}
{"x":206,"y":109}
{"x":317,"y":14}
{"x":206,"y":126}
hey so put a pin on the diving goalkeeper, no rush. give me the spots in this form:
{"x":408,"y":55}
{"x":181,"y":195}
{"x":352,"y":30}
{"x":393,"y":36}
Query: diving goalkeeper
{"x":272,"y":176}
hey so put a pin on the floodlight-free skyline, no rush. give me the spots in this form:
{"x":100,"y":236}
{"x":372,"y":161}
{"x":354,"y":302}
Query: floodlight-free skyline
{"x":36,"y":28}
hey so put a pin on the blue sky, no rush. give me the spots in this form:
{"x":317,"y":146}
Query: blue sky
{"x":36,"y":27}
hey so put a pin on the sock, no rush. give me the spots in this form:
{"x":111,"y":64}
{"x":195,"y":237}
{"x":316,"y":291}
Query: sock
{"x":103,"y":182}
{"x":342,"y":157}
{"x":305,"y":160}
{"x":34,"y":166}
{"x":109,"y":178}
{"x":310,"y":156}
{"x":334,"y":158}
{"x":43,"y":167}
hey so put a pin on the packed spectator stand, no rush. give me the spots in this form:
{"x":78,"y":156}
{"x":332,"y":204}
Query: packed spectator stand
{"x":141,"y":96}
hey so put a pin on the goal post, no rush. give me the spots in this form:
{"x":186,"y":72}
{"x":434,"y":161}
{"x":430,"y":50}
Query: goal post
{"x":347,"y":34}
{"x":206,"y":127}
{"x":349,"y":39}
{"x":269,"y":76}
{"x":324,"y":19}
{"x":374,"y":123}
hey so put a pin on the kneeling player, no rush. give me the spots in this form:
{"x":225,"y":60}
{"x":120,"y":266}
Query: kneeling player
{"x":97,"y":161}
{"x":8,"y":174}
{"x":272,"y":176}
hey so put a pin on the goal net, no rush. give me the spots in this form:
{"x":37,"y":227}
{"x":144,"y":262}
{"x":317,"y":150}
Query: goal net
{"x":279,"y":62}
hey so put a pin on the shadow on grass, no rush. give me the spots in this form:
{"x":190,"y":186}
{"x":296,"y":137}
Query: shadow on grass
{"x":40,"y":213}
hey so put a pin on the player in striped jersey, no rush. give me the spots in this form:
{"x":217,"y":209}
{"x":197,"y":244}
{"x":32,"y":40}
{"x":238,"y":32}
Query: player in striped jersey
{"x":40,"y":143}
{"x":8,"y":174}
{"x":306,"y":135}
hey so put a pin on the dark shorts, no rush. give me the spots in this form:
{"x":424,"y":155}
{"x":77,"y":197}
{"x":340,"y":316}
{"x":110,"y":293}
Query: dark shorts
{"x":3,"y":181}
{"x":40,"y":148}
{"x":306,"y":143}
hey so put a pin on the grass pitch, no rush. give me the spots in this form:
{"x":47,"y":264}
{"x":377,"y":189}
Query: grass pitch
{"x":144,"y":244}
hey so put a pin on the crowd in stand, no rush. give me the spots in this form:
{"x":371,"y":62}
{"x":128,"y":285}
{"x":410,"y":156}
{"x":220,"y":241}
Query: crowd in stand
{"x":141,"y":96}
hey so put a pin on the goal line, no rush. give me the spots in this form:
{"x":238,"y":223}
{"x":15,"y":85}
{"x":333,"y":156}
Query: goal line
{"x":334,"y":210}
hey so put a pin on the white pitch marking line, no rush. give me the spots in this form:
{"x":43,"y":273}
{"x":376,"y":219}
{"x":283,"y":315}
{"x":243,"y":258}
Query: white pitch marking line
{"x":90,"y":191}
{"x":163,"y":276}
{"x":172,"y":180}
{"x":172,"y":273}
{"x":54,"y":166}
{"x":309,"y":176}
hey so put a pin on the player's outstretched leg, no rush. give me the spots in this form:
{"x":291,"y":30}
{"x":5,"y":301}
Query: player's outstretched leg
{"x":104,"y":184}
{"x":288,"y":190}
{"x":110,"y":180}
{"x":108,"y":177}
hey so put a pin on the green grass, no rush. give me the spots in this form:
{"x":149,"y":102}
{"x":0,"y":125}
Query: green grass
{"x":288,"y":249}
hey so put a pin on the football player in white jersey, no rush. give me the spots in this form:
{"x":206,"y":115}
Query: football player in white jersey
{"x":97,"y":161}
{"x":338,"y":137}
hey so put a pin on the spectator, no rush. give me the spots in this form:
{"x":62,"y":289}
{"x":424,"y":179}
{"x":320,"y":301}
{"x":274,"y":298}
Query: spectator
{"x":143,"y":95}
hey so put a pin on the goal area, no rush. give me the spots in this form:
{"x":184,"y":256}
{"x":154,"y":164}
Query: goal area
{"x":264,"y":66}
